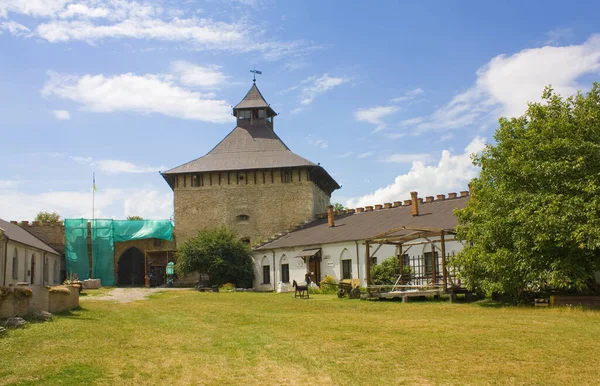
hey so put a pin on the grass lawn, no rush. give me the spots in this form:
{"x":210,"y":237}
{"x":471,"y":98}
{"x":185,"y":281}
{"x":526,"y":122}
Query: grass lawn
{"x":188,"y":337}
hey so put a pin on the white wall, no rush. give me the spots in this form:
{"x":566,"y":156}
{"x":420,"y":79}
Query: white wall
{"x":332,"y":255}
{"x":25,"y":254}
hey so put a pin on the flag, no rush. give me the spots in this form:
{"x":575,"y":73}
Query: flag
{"x":95,"y":188}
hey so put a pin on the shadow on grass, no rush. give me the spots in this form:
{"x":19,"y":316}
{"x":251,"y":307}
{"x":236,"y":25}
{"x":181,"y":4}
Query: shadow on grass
{"x":489,"y":303}
{"x":71,"y":374}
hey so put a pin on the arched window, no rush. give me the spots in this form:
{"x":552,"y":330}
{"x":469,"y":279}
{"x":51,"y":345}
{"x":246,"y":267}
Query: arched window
{"x":346,"y":264}
{"x":15,"y":266}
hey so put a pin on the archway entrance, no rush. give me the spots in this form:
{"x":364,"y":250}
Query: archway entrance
{"x":130,"y":268}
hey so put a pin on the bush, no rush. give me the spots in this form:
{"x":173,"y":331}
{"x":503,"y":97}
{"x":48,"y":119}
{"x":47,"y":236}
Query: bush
{"x":328,"y":285}
{"x":227,"y":287}
{"x":218,"y":253}
{"x":387,"y":272}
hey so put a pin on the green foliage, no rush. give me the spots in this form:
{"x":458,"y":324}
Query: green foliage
{"x":337,"y":207}
{"x":135,"y":218}
{"x":328,"y":285}
{"x":387,"y":272}
{"x":218,"y":253}
{"x":227,"y":287}
{"x":533,"y":218}
{"x":47,"y":217}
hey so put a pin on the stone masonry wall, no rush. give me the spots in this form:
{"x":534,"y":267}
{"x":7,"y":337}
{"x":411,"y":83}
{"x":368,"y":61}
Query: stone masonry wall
{"x":51,"y":234}
{"x":272,"y":206}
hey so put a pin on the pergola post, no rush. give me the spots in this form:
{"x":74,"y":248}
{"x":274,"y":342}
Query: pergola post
{"x":368,"y":262}
{"x":443,"y":251}
{"x":433,"y":264}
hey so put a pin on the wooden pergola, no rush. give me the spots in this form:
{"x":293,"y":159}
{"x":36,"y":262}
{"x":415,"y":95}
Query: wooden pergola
{"x":441,"y":282}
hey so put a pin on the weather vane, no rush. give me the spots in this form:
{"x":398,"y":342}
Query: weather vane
{"x":255,"y":71}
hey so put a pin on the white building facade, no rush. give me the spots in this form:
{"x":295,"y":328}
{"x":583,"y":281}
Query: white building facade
{"x":338,"y":247}
{"x":26,"y":259}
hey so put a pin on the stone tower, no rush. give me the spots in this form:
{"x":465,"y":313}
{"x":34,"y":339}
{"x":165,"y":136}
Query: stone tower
{"x":250,"y":182}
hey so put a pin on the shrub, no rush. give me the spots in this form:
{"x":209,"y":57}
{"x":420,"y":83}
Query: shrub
{"x":227,"y":287}
{"x":328,"y":285}
{"x":387,"y":272}
{"x":59,"y":289}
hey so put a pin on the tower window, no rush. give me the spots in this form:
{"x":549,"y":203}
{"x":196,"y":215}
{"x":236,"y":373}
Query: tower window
{"x":243,"y":217}
{"x":286,"y":176}
{"x":244,"y":114}
{"x":261,"y":113}
{"x":197,"y":180}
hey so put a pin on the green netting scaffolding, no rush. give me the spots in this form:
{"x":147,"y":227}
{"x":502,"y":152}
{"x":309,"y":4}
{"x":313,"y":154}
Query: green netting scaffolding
{"x":105,"y":233}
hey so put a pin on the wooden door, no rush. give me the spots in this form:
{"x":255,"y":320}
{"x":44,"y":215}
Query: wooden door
{"x":314,"y":268}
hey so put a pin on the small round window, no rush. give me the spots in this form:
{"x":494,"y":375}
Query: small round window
{"x":243,"y":217}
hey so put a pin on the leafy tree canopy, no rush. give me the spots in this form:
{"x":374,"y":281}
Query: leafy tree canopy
{"x":533,"y":220}
{"x":47,"y":217}
{"x":218,"y":253}
{"x":135,"y":218}
{"x":338,"y":207}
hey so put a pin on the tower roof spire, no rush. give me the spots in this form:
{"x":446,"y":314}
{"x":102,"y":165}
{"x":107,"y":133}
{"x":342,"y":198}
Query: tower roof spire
{"x":253,"y":99}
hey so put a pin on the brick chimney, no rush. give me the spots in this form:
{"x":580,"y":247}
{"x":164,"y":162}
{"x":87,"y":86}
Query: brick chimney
{"x":415,"y":203}
{"x":330,"y":217}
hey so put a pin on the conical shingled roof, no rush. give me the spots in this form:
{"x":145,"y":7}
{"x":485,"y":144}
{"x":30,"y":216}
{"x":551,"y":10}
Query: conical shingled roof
{"x":253,"y":99}
{"x":252,"y":147}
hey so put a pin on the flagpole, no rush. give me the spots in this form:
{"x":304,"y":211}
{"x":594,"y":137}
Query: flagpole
{"x":93,"y":216}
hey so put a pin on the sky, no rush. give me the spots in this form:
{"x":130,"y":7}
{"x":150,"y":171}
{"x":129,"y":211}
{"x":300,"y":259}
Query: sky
{"x":389,"y":97}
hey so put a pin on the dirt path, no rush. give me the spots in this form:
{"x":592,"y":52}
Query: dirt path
{"x":126,"y":295}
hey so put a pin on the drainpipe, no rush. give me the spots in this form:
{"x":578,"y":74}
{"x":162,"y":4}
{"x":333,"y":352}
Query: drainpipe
{"x":274,"y":270}
{"x":357,"y":262}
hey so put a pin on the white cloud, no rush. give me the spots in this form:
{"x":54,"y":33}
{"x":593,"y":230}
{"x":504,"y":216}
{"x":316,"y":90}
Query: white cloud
{"x":112,"y":166}
{"x":93,"y":22}
{"x":319,"y":85}
{"x":109,"y":203}
{"x":556,"y":35}
{"x":117,"y":166}
{"x":365,"y":154}
{"x":346,"y":154}
{"x":451,"y":173}
{"x":14,"y":28}
{"x":317,"y":142}
{"x":61,"y":114}
{"x":150,"y":204}
{"x":194,"y":75}
{"x":506,"y":84}
{"x":409,"y":95}
{"x":400,"y":158}
{"x":9,"y":184}
{"x":18,"y":205}
{"x":374,"y":115}
{"x":148,"y":93}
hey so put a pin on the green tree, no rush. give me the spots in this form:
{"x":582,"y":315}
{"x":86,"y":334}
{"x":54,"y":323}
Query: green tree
{"x":387,"y":272}
{"x":533,"y":218}
{"x":218,"y":253}
{"x":47,"y":217}
{"x":337,"y":207}
{"x":135,"y":218}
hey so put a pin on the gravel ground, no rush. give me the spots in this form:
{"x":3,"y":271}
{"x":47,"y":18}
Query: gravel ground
{"x":126,"y":295}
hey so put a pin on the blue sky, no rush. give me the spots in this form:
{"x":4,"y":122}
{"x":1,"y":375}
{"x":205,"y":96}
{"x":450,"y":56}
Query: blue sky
{"x":389,"y":97}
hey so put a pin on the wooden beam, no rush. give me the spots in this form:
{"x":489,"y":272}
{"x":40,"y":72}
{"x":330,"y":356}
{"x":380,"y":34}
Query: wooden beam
{"x":368,"y":262}
{"x":444,"y":273}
